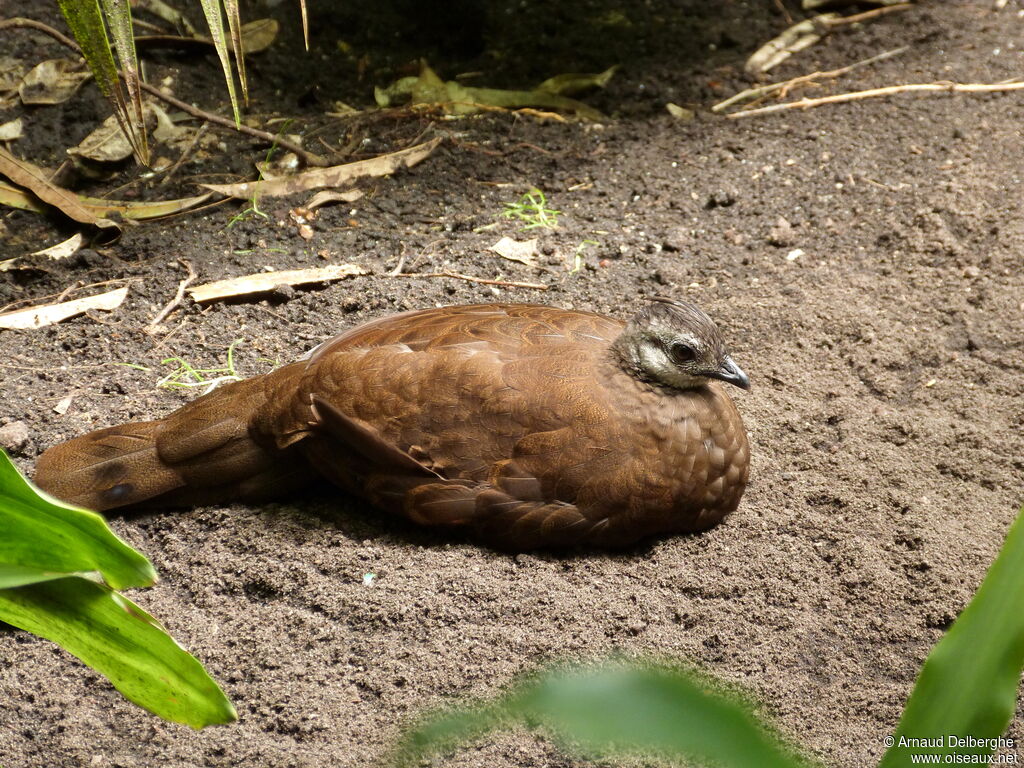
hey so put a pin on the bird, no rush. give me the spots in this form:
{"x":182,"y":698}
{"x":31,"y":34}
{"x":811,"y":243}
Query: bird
{"x":525,"y":426}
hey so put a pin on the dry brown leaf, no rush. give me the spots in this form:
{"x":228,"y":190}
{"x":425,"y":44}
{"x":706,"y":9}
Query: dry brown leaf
{"x":325,"y":196}
{"x":263,"y":282}
{"x":525,"y":251}
{"x":19,"y":198}
{"x":335,"y":176}
{"x":259,"y":35}
{"x":796,"y":38}
{"x":52,"y":82}
{"x":105,"y":144}
{"x":43,"y":315}
{"x":62,"y":250}
{"x":33,"y":178}
{"x":11,"y":130}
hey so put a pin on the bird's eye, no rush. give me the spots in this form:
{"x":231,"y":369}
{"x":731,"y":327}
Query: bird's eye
{"x":682,"y":353}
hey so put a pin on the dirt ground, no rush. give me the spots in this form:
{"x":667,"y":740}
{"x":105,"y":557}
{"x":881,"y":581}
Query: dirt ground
{"x":883,"y":329}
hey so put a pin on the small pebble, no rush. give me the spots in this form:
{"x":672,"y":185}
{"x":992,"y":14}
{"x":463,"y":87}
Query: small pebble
{"x":14,"y":436}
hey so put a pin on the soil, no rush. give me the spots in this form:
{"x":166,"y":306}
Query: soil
{"x":864,"y":261}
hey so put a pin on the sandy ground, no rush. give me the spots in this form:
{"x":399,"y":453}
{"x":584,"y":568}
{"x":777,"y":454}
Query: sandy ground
{"x":882,"y":327}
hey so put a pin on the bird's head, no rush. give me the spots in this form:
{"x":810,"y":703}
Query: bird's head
{"x":675,"y":344}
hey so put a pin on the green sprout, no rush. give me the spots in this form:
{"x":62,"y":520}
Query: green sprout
{"x":254,"y":201}
{"x":186,"y":375}
{"x":578,"y":255}
{"x":531,"y":209}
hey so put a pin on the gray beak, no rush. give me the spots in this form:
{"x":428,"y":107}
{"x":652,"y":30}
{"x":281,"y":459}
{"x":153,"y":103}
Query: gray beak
{"x":731,"y":373}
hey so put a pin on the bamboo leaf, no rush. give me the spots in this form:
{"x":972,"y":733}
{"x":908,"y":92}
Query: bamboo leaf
{"x":121,"y":641}
{"x":85,"y":20}
{"x":212,"y":9}
{"x":119,"y":18}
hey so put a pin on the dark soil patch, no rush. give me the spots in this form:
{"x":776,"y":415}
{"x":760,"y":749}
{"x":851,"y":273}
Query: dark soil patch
{"x":886,"y":417}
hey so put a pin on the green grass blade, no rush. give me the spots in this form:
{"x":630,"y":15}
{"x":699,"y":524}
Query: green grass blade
{"x":121,"y":641}
{"x":212,"y":10}
{"x":619,"y":709}
{"x":48,"y":536}
{"x":968,"y":685}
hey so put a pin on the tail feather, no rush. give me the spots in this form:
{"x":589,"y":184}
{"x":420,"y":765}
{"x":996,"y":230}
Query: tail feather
{"x":204,"y":453}
{"x":113,"y":467}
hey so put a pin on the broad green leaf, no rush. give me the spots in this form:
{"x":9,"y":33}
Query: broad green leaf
{"x":47,"y":536}
{"x":968,"y":684}
{"x":121,"y":641}
{"x":619,"y":709}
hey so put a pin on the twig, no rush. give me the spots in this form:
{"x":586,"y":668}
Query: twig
{"x":867,"y":15}
{"x":185,"y":153}
{"x":784,"y":11}
{"x":309,"y":158}
{"x":785,"y":85}
{"x":887,"y":91}
{"x":174,"y":303}
{"x":470,"y":278}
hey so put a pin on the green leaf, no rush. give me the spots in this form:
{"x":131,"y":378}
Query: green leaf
{"x":968,"y":684}
{"x":212,"y":11}
{"x":47,"y":536}
{"x":120,"y":640}
{"x":615,"y":709}
{"x":86,"y":21}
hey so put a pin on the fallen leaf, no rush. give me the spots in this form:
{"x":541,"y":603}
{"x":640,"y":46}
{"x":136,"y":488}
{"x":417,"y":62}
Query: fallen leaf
{"x":62,"y":250}
{"x":32,"y":177}
{"x":53,"y":81}
{"x":263,"y":282}
{"x":65,"y":403}
{"x":796,"y":38}
{"x":525,"y":251}
{"x":19,"y":198}
{"x":105,"y":144}
{"x":458,"y":99}
{"x":335,"y":176}
{"x":326,"y":196}
{"x":567,"y":85}
{"x":43,"y":315}
{"x":11,"y":130}
{"x":682,"y":114}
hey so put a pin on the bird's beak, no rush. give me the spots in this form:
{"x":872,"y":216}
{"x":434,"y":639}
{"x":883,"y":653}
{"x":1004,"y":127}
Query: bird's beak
{"x":731,"y":373}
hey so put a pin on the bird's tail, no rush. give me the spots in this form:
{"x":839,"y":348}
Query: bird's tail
{"x":207,"y":452}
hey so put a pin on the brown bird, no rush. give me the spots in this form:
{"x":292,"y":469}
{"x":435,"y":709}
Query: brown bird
{"x":527,"y":426}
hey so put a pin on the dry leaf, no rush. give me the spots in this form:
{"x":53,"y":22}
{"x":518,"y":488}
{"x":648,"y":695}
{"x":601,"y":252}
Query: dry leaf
{"x":105,"y":144}
{"x":19,"y":198}
{"x":326,"y":196}
{"x":11,"y":130}
{"x":47,"y":314}
{"x":335,"y":176}
{"x":458,"y":99}
{"x":52,"y":82}
{"x":525,"y":252}
{"x":569,"y":84}
{"x":33,"y":178}
{"x":263,"y":282}
{"x":682,"y":114}
{"x":259,"y":35}
{"x":65,"y":403}
{"x":796,"y":38}
{"x":62,"y":250}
